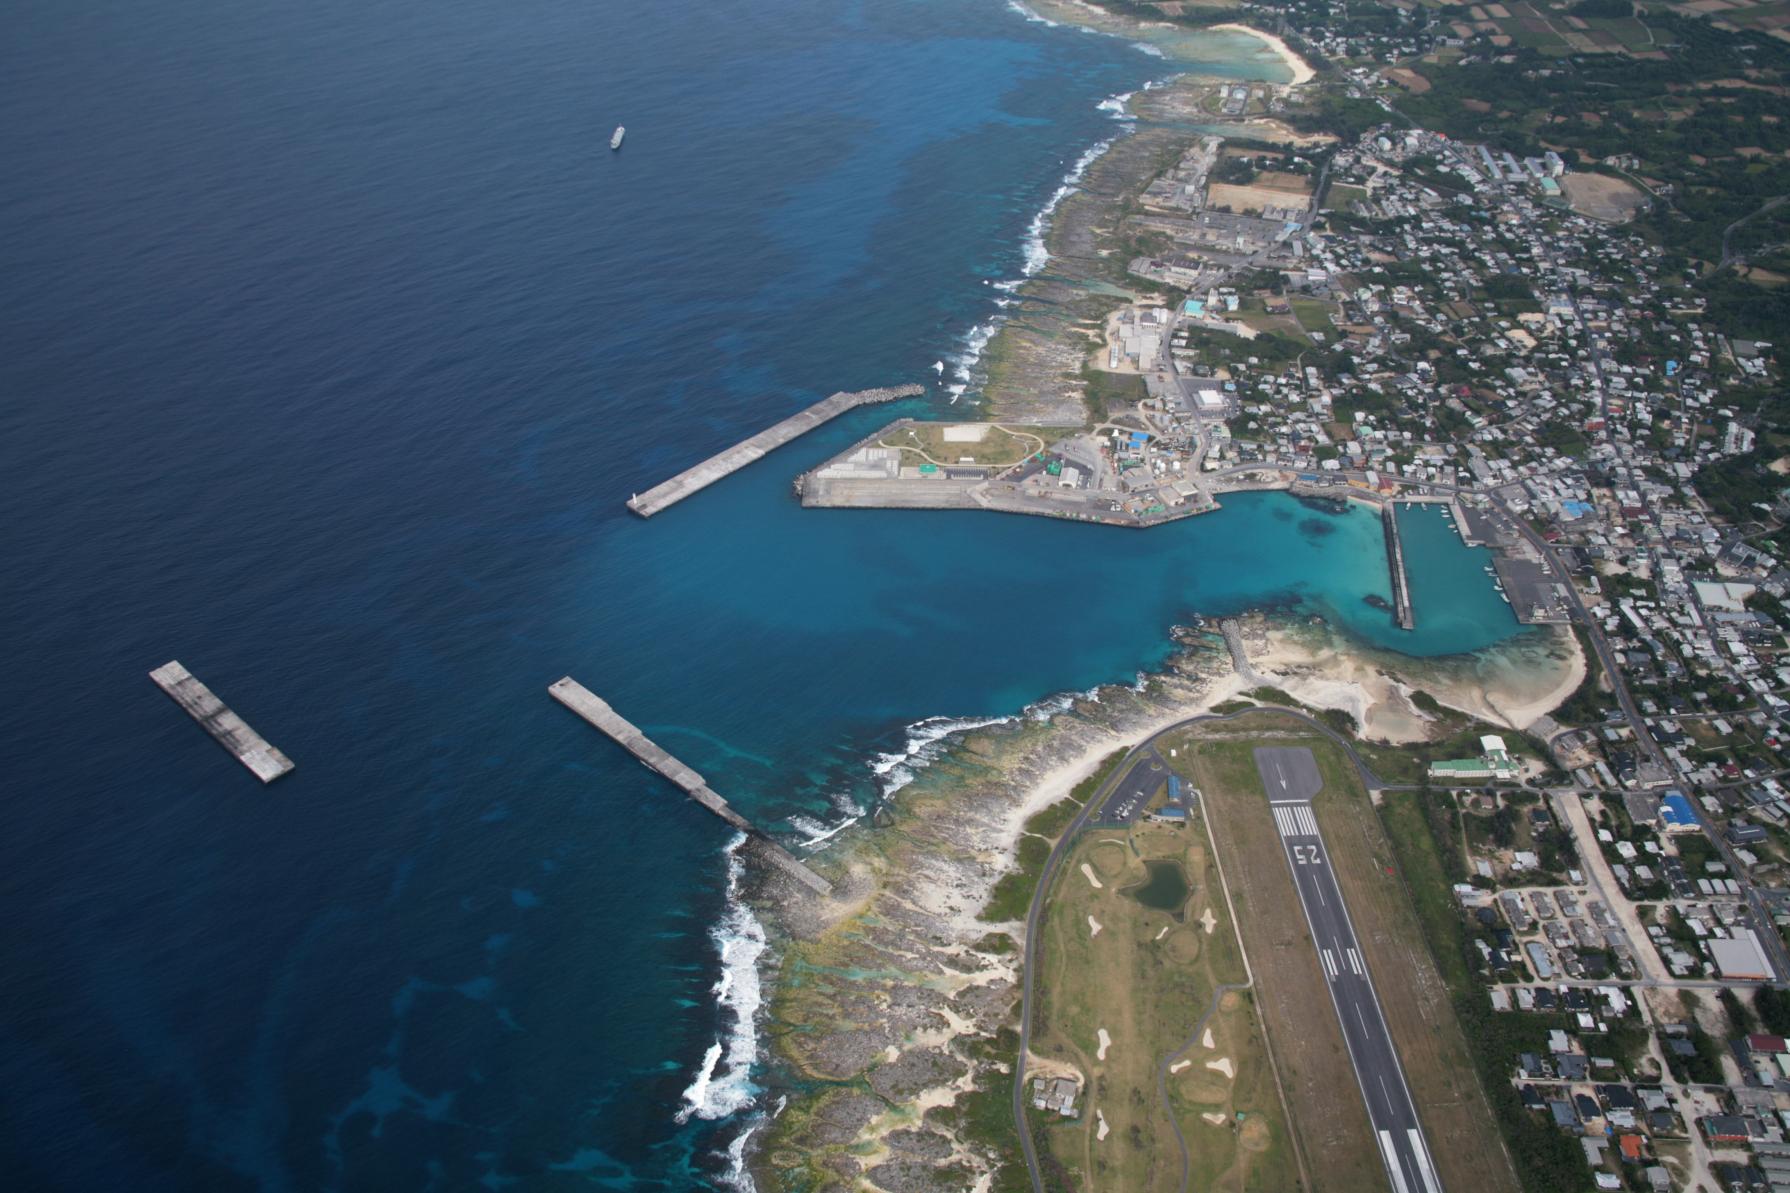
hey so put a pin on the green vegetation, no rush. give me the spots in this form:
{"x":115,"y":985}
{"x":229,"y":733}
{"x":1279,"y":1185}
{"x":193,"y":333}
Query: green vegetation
{"x":1588,"y":702}
{"x":985,"y":1114}
{"x":1418,"y":824}
{"x":1141,"y":982}
{"x":1012,"y":894}
{"x":1773,"y":1006}
{"x":1111,"y":393}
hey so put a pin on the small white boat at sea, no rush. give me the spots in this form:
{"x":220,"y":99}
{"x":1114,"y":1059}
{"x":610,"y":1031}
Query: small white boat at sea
{"x":615,"y":142}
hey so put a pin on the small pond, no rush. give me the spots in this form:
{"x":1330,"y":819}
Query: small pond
{"x":1165,"y":889}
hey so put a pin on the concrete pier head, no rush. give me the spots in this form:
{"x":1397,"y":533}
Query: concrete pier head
{"x":250,"y":748}
{"x":694,"y":480}
{"x":592,"y":708}
{"x":1395,"y":560}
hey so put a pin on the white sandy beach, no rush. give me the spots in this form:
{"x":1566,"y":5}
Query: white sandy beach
{"x":1302,"y":72}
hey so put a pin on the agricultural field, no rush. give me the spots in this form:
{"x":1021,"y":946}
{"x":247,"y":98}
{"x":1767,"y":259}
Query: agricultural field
{"x":1143,"y":993}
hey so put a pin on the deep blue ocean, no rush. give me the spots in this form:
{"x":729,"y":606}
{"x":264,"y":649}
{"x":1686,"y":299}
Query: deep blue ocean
{"x":334,"y":339}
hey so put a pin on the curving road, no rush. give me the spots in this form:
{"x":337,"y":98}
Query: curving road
{"x":1034,"y":913}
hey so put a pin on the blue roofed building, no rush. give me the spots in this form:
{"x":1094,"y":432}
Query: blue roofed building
{"x":1676,"y":814}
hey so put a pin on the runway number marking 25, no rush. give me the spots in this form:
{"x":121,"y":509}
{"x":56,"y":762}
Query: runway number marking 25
{"x":1306,"y":855}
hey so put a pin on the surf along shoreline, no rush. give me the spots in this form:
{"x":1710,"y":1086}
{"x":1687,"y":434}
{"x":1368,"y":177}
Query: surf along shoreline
{"x":893,"y":1005}
{"x":889,"y":1009}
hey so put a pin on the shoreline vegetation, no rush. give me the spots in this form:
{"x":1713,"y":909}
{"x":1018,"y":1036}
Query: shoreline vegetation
{"x":894,"y":1005}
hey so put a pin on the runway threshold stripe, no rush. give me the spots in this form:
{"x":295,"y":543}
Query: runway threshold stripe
{"x":1430,"y":1183}
{"x":1392,"y":1164}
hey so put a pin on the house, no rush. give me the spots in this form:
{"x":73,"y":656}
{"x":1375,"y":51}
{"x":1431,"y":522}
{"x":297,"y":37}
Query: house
{"x":1739,"y":958}
{"x":1676,"y":814}
{"x":1494,"y":762}
{"x":1742,"y":833}
{"x":1724,"y":1128}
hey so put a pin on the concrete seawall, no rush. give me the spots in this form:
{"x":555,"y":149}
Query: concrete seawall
{"x":1395,"y":560}
{"x":694,"y":480}
{"x":593,"y":709}
{"x":250,"y":748}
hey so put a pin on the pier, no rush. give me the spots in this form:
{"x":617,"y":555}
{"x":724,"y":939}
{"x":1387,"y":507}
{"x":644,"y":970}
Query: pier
{"x":588,"y":705}
{"x":1233,"y":641}
{"x":250,"y":748}
{"x":694,"y":480}
{"x":1395,"y":560}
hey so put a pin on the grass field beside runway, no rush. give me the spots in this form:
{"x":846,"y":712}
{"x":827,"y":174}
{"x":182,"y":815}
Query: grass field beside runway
{"x":1147,"y":978}
{"x":1379,"y":894}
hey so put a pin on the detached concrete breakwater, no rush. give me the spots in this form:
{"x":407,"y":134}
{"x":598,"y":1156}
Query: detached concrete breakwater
{"x":231,"y":732}
{"x":1395,"y":560}
{"x":694,"y":480}
{"x":595,"y":710}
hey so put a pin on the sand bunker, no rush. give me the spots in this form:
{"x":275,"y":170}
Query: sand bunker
{"x":1223,"y":1065}
{"x":1101,"y":1132}
{"x":1206,"y":1040}
{"x":1213,"y":1117}
{"x":1093,"y":926}
{"x":1092,"y":877}
{"x":1209,"y":921}
{"x":1162,"y":933}
{"x":1106,"y":1042}
{"x":1179,"y":1065}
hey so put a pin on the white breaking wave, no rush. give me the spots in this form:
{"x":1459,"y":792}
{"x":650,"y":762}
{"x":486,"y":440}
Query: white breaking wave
{"x":1149,"y":49}
{"x":1115,"y":104}
{"x":1038,"y":256}
{"x":815,"y":832}
{"x":723,"y":1083}
{"x":924,"y":745}
{"x":1029,"y":15}
{"x":964,"y":362}
{"x":736,"y":1176}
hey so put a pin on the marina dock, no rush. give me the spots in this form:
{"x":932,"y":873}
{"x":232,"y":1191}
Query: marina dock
{"x":693,"y":480}
{"x":1395,"y":560}
{"x":250,"y":748}
{"x":592,"y":708}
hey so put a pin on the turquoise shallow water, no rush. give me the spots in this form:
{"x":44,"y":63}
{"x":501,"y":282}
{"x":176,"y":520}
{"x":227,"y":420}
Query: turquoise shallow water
{"x":337,"y":340}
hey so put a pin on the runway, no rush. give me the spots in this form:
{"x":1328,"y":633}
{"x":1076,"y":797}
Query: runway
{"x":1290,"y":777}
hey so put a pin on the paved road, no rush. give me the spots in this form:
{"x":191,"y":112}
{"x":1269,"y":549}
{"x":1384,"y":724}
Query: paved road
{"x":1137,"y":783}
{"x":1290,"y":776}
{"x":1035,"y":912}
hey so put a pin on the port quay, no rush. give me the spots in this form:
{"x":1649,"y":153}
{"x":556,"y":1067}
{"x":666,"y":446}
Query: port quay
{"x":596,"y":711}
{"x":231,"y":732}
{"x":693,"y":480}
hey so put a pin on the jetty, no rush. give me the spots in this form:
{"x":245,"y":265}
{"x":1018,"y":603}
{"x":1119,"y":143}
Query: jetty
{"x":595,"y":710}
{"x":716,"y":467}
{"x":1395,"y":560}
{"x":250,"y":748}
{"x":1233,"y":641}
